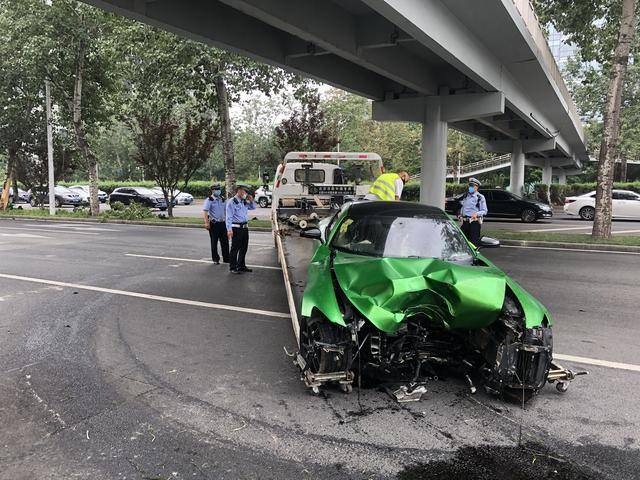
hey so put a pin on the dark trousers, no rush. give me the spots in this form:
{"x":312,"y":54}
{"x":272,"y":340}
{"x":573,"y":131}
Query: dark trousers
{"x":471,"y":230}
{"x":239,"y":246}
{"x":218,"y":233}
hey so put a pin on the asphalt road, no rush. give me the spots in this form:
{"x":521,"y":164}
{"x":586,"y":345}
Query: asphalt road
{"x":125,"y":354}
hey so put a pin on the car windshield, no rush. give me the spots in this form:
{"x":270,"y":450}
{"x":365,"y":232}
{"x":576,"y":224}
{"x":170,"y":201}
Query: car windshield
{"x":145,"y":191}
{"x":403,"y":237}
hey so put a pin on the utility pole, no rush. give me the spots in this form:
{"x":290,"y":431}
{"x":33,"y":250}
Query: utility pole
{"x":52,"y":194}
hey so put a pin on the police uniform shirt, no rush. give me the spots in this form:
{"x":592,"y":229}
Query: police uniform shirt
{"x":237,"y":211}
{"x":215,"y":208}
{"x":474,"y":203}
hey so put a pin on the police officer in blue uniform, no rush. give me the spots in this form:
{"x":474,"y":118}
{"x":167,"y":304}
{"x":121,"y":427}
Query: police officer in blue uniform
{"x":214,"y":215}
{"x":237,"y":228}
{"x":472,"y":212}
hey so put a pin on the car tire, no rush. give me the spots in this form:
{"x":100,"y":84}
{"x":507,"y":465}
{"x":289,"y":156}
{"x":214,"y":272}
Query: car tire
{"x":57,"y":203}
{"x":528,"y":215}
{"x":587,"y":213}
{"x":263,"y":202}
{"x":319,"y":329}
{"x":33,"y":203}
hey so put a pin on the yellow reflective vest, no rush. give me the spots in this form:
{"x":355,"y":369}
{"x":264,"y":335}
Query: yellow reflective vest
{"x":385,"y":186}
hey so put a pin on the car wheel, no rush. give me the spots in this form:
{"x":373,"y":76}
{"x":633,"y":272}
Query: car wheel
{"x":57,"y":203}
{"x":263,"y":202}
{"x":528,"y":215}
{"x":587,"y":213}
{"x":33,"y":203}
{"x":315,"y":332}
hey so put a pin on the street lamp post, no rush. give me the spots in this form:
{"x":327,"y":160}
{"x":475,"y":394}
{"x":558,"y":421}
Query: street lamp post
{"x":52,"y":195}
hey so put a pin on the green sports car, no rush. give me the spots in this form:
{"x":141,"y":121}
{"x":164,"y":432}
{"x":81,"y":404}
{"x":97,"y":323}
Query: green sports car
{"x":395,"y":293}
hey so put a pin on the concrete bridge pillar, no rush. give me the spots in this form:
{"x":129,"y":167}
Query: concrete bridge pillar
{"x":547,"y":173}
{"x":516,"y":177}
{"x":562,"y":177}
{"x":434,"y":155}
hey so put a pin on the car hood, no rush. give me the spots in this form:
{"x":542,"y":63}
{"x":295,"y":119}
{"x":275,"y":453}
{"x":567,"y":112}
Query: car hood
{"x":386,"y":290}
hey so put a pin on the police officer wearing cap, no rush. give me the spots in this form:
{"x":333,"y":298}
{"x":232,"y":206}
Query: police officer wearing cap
{"x":237,"y":228}
{"x":213,"y":212}
{"x":472,"y":212}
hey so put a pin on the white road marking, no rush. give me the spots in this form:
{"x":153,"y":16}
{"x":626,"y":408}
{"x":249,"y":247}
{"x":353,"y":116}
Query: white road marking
{"x":569,"y":249}
{"x":73,"y":226}
{"x":174,"y":259}
{"x":22,"y":235}
{"x":537,"y":230}
{"x":598,"y":362}
{"x":147,"y":296}
{"x":625,"y":231}
{"x":37,"y":228}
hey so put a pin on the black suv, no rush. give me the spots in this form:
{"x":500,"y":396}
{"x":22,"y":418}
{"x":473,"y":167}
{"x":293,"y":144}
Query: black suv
{"x":145,"y":196}
{"x":501,"y":203}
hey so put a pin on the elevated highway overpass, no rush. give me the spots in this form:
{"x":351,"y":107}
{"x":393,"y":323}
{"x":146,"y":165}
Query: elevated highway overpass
{"x":482,"y":66}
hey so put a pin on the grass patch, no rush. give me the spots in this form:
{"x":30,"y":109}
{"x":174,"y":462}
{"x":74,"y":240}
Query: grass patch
{"x":563,"y":237}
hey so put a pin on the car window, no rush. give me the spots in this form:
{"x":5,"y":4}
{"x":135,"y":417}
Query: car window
{"x":144,"y":191}
{"x":391,"y":236}
{"x":503,"y":196}
{"x":488,"y":195}
{"x":315,"y":175}
{"x":624,"y":196}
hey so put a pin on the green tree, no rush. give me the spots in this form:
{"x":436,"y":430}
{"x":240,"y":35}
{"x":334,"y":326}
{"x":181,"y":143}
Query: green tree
{"x":171,"y":154}
{"x":605,"y":31}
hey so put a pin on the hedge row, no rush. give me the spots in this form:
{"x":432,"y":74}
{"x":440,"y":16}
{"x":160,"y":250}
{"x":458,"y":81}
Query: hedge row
{"x":197,"y":188}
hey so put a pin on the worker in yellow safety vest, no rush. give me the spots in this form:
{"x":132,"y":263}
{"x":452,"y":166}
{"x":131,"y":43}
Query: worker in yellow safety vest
{"x":388,"y":186}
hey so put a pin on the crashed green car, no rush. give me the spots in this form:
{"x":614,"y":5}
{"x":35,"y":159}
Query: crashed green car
{"x":395,"y":293}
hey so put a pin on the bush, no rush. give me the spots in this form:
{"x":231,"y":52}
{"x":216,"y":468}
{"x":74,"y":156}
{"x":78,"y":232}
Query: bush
{"x":135,"y":211}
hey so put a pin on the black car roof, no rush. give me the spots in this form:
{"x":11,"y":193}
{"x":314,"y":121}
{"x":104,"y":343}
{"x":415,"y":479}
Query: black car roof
{"x":395,"y":209}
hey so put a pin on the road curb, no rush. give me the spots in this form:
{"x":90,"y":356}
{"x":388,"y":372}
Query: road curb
{"x":115,"y":221}
{"x":571,"y":246}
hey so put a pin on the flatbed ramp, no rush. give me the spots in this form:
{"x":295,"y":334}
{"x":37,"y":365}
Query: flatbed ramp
{"x":294,"y":255}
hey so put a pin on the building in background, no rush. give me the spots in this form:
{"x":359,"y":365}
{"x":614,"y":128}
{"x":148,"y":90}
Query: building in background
{"x":561,"y":49}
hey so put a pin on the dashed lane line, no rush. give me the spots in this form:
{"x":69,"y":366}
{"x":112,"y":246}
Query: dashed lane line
{"x":159,"y":298}
{"x":37,"y":229}
{"x":175,"y":259}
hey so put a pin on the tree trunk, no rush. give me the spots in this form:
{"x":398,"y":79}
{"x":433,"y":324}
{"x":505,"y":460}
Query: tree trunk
{"x":227,"y":139}
{"x":9,"y":179}
{"x":81,"y":136}
{"x":611,"y":126}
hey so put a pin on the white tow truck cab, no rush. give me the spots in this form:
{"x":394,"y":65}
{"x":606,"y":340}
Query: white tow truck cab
{"x":309,"y":185}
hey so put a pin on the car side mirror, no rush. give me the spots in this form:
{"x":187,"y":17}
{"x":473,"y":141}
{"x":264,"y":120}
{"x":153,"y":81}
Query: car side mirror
{"x":488,"y":242}
{"x":312,"y":233}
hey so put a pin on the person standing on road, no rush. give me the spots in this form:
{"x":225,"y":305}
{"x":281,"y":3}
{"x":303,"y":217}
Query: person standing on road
{"x":388,"y":186}
{"x":237,"y":228}
{"x":213,"y":212}
{"x":472,"y":212}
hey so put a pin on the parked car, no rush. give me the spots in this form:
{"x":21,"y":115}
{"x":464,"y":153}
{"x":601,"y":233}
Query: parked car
{"x":179,"y":198}
{"x":263,"y":196}
{"x":142,"y":195}
{"x":501,"y":203}
{"x":23,"y":196}
{"x":625,"y":204}
{"x":63,"y":196}
{"x":408,"y":307}
{"x":83,"y":191}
